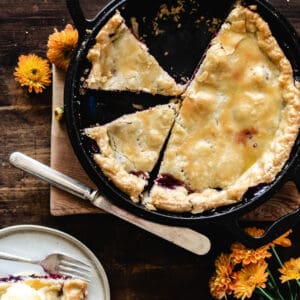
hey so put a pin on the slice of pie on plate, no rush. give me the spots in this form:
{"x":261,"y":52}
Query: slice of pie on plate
{"x":237,"y":124}
{"x":120,"y":62}
{"x":48,"y":287}
{"x":130,"y":146}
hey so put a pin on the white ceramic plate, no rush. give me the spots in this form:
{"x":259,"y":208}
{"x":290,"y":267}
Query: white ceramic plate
{"x":36,"y":242}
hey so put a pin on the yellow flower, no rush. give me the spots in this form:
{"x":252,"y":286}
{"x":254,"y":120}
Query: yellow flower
{"x":290,"y":270}
{"x":240,"y":254}
{"x":34,"y":72}
{"x":248,"y":279}
{"x":61,"y":45}
{"x":282,"y":240}
{"x":220,"y":283}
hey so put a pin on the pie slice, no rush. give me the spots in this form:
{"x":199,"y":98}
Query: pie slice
{"x":130,"y":146}
{"x":237,"y":124}
{"x":42,"y":287}
{"x":121,"y":62}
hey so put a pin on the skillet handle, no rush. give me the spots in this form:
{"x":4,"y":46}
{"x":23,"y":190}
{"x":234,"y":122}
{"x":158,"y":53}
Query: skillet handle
{"x":275,"y":230}
{"x":81,"y":23}
{"x":279,"y":226}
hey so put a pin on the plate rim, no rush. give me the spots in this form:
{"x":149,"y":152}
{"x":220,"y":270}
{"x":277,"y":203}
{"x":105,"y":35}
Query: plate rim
{"x":6,"y":231}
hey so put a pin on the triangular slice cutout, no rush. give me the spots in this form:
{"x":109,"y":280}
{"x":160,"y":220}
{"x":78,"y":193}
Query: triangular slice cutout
{"x":130,"y":146}
{"x":237,"y":124}
{"x":120,"y":62}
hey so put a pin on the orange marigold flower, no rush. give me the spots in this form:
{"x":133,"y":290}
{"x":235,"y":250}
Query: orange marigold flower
{"x":219,"y":287}
{"x":255,"y":232}
{"x":290,"y":270}
{"x":241,"y":254}
{"x":61,"y":45}
{"x":220,"y":283}
{"x":282,"y":240}
{"x":34,"y":72}
{"x":224,"y":264}
{"x":248,"y":279}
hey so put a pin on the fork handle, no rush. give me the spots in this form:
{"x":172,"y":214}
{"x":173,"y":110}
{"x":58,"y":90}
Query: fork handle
{"x":186,"y":238}
{"x":7,"y":256}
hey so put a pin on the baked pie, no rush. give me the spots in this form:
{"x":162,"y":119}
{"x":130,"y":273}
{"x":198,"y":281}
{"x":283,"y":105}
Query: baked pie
{"x":49,"y":287}
{"x":121,"y":62}
{"x":130,"y":146}
{"x":238,"y":121}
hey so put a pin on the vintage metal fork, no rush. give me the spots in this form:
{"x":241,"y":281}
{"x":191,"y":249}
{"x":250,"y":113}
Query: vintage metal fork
{"x":56,"y":263}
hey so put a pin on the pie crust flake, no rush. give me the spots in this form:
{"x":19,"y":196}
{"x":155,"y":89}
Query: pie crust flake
{"x":130,"y":146}
{"x":121,"y":62}
{"x":48,"y":287}
{"x":237,"y":124}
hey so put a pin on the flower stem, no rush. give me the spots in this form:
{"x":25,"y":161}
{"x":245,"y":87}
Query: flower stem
{"x":274,"y":285}
{"x":264,"y":293}
{"x":277,"y":256}
{"x":281,"y":265}
{"x":273,"y":282}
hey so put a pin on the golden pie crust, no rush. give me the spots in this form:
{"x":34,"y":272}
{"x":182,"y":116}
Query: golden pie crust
{"x":130,"y":146}
{"x":43,"y":288}
{"x":121,"y":62}
{"x":238,"y":121}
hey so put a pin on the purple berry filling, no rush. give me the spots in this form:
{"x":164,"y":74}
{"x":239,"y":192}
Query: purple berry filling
{"x":168,"y":181}
{"x":13,"y":278}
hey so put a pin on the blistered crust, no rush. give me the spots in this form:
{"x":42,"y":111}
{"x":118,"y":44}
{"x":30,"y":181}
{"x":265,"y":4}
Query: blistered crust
{"x":238,"y":121}
{"x":121,"y":62}
{"x":130,"y":146}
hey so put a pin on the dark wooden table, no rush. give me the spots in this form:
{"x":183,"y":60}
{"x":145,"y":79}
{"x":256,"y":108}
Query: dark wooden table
{"x":138,"y":265}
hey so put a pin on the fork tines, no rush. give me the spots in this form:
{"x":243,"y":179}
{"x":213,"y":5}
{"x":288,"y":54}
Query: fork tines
{"x":74,"y":268}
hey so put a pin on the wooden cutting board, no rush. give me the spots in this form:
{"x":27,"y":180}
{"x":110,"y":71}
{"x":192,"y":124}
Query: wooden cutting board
{"x":63,"y":159}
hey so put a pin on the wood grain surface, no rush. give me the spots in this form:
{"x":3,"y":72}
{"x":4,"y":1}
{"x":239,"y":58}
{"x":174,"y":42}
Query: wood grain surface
{"x":139,"y":266}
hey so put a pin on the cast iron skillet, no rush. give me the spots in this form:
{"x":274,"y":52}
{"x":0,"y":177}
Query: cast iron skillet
{"x":185,"y":43}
